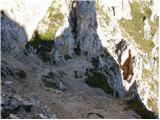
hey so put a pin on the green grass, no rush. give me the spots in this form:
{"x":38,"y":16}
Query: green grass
{"x":135,"y":27}
{"x":42,"y":46}
{"x":98,"y":80}
{"x":56,"y":19}
{"x":139,"y":108}
{"x":146,"y":73}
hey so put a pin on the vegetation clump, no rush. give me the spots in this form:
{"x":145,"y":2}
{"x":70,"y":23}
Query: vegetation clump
{"x":107,"y":54}
{"x":43,"y":42}
{"x":98,"y":80}
{"x":49,"y":80}
{"x":49,"y":84}
{"x":67,"y":57}
{"x":95,"y":62}
{"x":21,"y":74}
{"x":42,"y":46}
{"x":140,"y":109}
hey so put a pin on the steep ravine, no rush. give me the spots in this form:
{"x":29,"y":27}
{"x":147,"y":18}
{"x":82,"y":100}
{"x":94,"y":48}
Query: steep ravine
{"x":78,"y":59}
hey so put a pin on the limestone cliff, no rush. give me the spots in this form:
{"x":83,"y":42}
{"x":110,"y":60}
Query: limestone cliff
{"x":78,"y":51}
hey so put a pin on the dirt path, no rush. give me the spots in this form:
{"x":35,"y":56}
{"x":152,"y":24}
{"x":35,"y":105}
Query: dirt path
{"x":78,"y":100}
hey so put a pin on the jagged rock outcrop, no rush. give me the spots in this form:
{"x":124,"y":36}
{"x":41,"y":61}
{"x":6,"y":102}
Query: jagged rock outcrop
{"x":80,"y":36}
{"x":86,"y":28}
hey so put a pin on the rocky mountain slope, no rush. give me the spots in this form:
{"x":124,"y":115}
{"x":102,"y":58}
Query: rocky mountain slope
{"x":79,"y":59}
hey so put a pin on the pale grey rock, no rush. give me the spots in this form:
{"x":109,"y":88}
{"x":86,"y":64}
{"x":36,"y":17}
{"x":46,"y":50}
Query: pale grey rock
{"x":80,"y":36}
{"x":13,"y":36}
{"x":79,"y":33}
{"x":147,"y":30}
{"x":86,"y":27}
{"x":26,"y":13}
{"x":19,"y":19}
{"x":42,"y":116}
{"x":60,"y":86}
{"x":8,"y":82}
{"x":12,"y":116}
{"x":117,"y":8}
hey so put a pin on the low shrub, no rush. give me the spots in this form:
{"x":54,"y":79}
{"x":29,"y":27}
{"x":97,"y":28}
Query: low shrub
{"x":98,"y":80}
{"x":140,"y":109}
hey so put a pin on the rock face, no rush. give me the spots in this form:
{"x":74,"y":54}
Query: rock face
{"x":26,"y":13}
{"x":118,"y":8}
{"x":80,"y":37}
{"x":19,"y":21}
{"x":85,"y":26}
{"x":115,"y":36}
{"x":13,"y":35}
{"x":56,"y":48}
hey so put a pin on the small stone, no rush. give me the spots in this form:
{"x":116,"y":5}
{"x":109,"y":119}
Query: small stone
{"x":60,"y":86}
{"x":8,"y":82}
{"x":42,"y":116}
{"x":18,"y":97}
{"x":12,"y":116}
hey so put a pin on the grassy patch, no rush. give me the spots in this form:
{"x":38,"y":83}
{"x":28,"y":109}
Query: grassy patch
{"x":49,"y":80}
{"x":135,"y":27}
{"x":98,"y":80}
{"x":50,"y":75}
{"x":146,"y":73}
{"x":49,"y":84}
{"x":139,"y":108}
{"x":56,"y":19}
{"x":42,"y":46}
